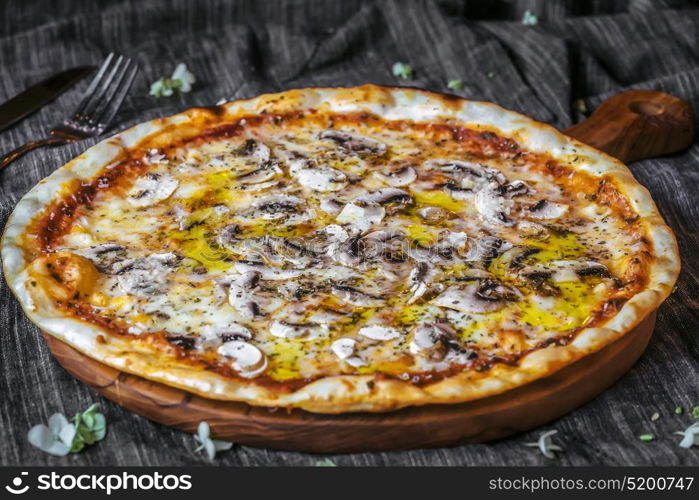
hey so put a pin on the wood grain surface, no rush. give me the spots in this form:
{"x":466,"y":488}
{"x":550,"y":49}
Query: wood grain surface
{"x":631,"y":125}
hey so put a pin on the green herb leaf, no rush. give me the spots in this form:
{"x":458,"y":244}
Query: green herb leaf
{"x":325,"y":463}
{"x":679,"y":410}
{"x":695,"y":412}
{"x":211,"y":446}
{"x":455,"y":84}
{"x":646,"y":437}
{"x":403,"y":70}
{"x":181,"y":80}
{"x":529,"y":19}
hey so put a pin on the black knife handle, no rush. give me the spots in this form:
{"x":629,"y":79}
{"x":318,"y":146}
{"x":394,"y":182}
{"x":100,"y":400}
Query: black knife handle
{"x":16,"y":153}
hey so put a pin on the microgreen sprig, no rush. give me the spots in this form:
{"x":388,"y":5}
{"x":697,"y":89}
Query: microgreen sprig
{"x":403,"y":70}
{"x":181,"y":80}
{"x":210,"y":445}
{"x":690,"y":436}
{"x":61,"y":437}
{"x":545,"y":444}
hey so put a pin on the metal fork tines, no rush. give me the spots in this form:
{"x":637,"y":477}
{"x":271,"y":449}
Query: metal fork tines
{"x":96,"y":110}
{"x":101,"y":100}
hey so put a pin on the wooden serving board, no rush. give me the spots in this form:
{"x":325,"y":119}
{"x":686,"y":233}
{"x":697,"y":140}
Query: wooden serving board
{"x":630,"y":126}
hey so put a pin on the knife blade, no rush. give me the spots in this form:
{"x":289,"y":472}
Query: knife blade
{"x":28,"y":101}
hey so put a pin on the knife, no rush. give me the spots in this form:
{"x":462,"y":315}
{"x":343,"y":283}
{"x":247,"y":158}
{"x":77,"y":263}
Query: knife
{"x":42,"y":93}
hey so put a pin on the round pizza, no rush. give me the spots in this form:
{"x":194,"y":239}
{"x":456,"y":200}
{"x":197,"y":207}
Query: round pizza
{"x":340,"y":249}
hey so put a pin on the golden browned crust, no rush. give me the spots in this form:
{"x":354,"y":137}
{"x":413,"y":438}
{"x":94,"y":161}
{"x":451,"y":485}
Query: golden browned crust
{"x":348,"y":392}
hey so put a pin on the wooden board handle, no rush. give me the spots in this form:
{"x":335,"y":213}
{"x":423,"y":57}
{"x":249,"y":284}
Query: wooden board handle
{"x":638,"y":124}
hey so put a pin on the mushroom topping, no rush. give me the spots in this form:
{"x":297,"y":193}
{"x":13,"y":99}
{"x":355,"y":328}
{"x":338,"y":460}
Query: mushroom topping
{"x":257,"y":150}
{"x":401,"y":176}
{"x":356,"y":297}
{"x":450,"y":241}
{"x":265,"y":172}
{"x":152,"y":188}
{"x":241,"y":294}
{"x":391,"y":198}
{"x":419,"y":280}
{"x":328,"y":239}
{"x":379,"y":332}
{"x":515,"y":188}
{"x":429,"y":342}
{"x":320,"y":179}
{"x":330,"y":206}
{"x":432,"y":214}
{"x":492,"y":206}
{"x":277,"y":206}
{"x":297,"y":331}
{"x":530,"y":229}
{"x":468,"y":175}
{"x":494,"y":291}
{"x":228,"y":237}
{"x":565,"y":270}
{"x":104,"y":256}
{"x":266,"y":272}
{"x":218,"y":334}
{"x":382,"y":244}
{"x":361,"y":217}
{"x":145,"y":276}
{"x":354,"y":143}
{"x":480,"y":297}
{"x":248,"y":360}
{"x":344,"y":348}
{"x":485,"y":249}
{"x":547,"y":210}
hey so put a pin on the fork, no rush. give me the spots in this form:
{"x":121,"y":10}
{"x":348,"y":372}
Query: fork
{"x":97,"y":108}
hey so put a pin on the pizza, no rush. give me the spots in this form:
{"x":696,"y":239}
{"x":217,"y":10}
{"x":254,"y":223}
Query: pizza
{"x":340,"y":249}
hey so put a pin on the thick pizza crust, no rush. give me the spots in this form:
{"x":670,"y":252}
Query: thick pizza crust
{"x":354,"y":392}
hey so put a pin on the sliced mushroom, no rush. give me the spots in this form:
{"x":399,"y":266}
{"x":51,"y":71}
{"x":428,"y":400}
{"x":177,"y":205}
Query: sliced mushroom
{"x":265,"y":271}
{"x":257,"y":150}
{"x":515,"y":188}
{"x":485,"y":248}
{"x":241,"y":294}
{"x":402,"y":175}
{"x":218,"y":334}
{"x":145,"y":276}
{"x":362,"y":217}
{"x":565,"y":270}
{"x":104,"y":256}
{"x":429,"y":341}
{"x":468,"y":175}
{"x":248,"y":360}
{"x":356,"y":297}
{"x":261,"y":174}
{"x":344,"y":348}
{"x":228,"y":237}
{"x":494,"y":291}
{"x":419,"y":280}
{"x":547,"y":210}
{"x":492,"y":206}
{"x":321,"y":179}
{"x":151,"y":188}
{"x":474,"y":297}
{"x":277,"y":206}
{"x":385,"y":244}
{"x":297,"y":331}
{"x":331,"y":206}
{"x":354,"y":143}
{"x":379,"y":332}
{"x":392,"y":199}
{"x":529,"y":229}
{"x":432,"y":214}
